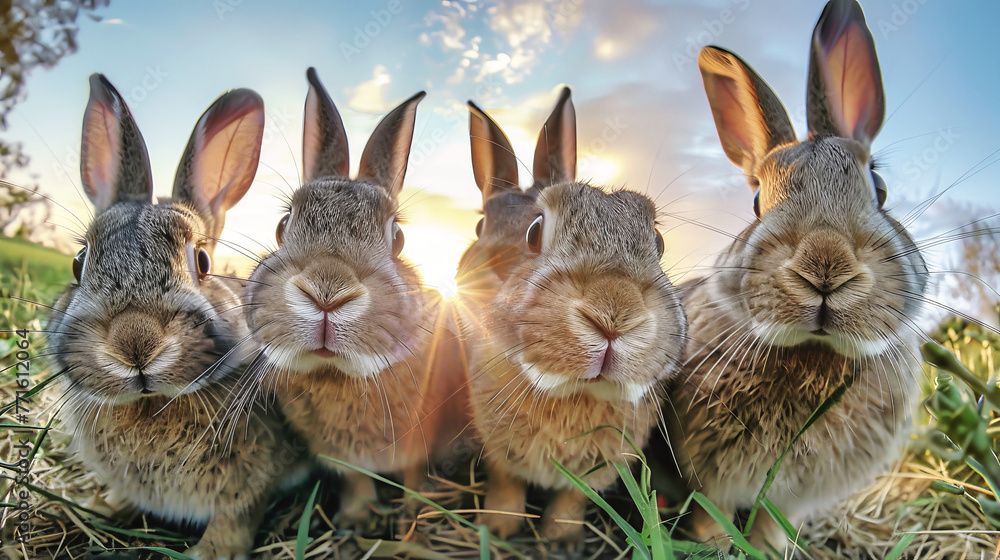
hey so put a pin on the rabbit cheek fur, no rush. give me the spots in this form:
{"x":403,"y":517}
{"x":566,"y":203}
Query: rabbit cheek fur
{"x":574,"y":340}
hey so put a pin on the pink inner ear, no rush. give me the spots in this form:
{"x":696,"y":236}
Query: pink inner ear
{"x":226,"y":153}
{"x":312,"y":142}
{"x":101,"y":151}
{"x":853,"y":83}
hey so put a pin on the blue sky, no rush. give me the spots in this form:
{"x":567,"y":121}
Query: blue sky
{"x":643,"y":118}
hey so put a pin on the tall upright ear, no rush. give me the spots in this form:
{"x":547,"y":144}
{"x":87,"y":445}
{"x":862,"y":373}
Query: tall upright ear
{"x":385,"y":155}
{"x":324,"y":140}
{"x":845,"y":96}
{"x":114,"y":163}
{"x":220,"y":160}
{"x":493,"y":161}
{"x":748,"y":115}
{"x":555,"y":151}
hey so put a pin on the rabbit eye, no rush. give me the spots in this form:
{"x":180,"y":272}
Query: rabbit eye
{"x":203,"y":262}
{"x":479,"y":227}
{"x":659,"y":244}
{"x":78,"y":263}
{"x":880,"y":189}
{"x":534,"y":235}
{"x":397,"y":239}
{"x":756,"y":202}
{"x":279,"y":232}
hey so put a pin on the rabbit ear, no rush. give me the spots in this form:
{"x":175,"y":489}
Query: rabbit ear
{"x":385,"y":155}
{"x":493,"y":161}
{"x":324,"y":140}
{"x":220,"y":160}
{"x":748,"y":115}
{"x":114,"y":163}
{"x":555,"y":151}
{"x":845,"y":96}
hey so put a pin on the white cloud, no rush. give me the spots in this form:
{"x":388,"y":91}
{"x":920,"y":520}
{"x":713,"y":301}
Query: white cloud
{"x":368,"y":97}
{"x":116,"y":21}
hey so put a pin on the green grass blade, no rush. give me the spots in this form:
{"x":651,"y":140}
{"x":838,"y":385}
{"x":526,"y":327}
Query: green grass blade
{"x":739,"y":539}
{"x":897,"y":551}
{"x":772,"y":472}
{"x":484,"y":543}
{"x":148,"y":535}
{"x":659,"y":542}
{"x":629,"y":531}
{"x":790,"y":531}
{"x":302,"y":538}
{"x":652,"y":532}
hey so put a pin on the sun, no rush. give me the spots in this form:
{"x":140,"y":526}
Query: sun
{"x":435,"y":251}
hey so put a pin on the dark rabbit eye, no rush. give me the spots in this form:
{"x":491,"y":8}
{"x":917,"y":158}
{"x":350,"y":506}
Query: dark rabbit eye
{"x":397,"y":239}
{"x":479,"y":227}
{"x":756,"y":202}
{"x":880,"y":189}
{"x":659,"y":244}
{"x":204,"y":263}
{"x":279,"y":233}
{"x":78,"y":263}
{"x":534,"y":235}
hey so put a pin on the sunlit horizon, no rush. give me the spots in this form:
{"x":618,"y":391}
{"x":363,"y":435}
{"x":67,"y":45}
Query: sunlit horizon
{"x":643,"y":121}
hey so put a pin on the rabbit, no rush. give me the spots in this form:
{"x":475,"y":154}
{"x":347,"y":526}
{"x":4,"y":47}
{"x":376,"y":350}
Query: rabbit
{"x":147,"y":339}
{"x":343,"y":320}
{"x":819,"y":292}
{"x":571,"y":322}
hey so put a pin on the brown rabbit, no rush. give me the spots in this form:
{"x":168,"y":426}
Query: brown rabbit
{"x":571,"y":322}
{"x":148,"y":338}
{"x":818,"y":293}
{"x":342,"y":318}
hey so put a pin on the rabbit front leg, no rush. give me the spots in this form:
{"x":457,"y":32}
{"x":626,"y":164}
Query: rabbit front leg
{"x":504,"y":492}
{"x":229,"y":535}
{"x":357,"y":494}
{"x":563,"y":518}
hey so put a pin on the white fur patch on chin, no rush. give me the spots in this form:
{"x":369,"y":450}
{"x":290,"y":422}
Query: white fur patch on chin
{"x":561,"y":386}
{"x":789,"y":335}
{"x":302,"y":360}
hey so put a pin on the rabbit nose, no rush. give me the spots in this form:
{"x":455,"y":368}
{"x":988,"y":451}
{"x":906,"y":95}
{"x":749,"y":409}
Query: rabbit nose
{"x":612,"y":305}
{"x":603,"y":325}
{"x":331,"y":303}
{"x":135,"y":339}
{"x":825,"y":261}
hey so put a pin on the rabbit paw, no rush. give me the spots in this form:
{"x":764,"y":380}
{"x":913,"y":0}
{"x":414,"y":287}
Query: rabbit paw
{"x":569,"y":535}
{"x":355,"y":515}
{"x":217,"y":551}
{"x":500,"y":524}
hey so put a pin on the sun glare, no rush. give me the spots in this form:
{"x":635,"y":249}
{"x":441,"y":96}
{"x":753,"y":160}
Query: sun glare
{"x":435,"y":251}
{"x":597,"y":169}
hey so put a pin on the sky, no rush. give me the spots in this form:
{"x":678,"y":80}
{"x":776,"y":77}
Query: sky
{"x":643,"y":120}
